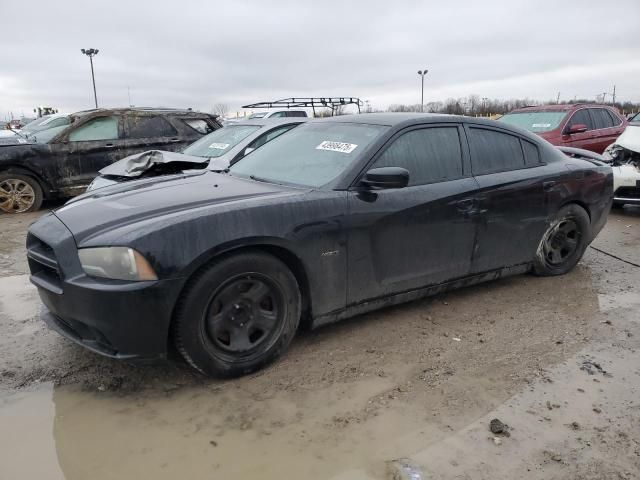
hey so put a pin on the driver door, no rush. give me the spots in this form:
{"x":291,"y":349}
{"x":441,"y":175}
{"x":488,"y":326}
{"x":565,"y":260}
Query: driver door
{"x":87,"y":148}
{"x":407,"y":238}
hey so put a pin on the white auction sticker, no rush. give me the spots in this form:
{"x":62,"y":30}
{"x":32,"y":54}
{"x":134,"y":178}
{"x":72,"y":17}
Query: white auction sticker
{"x":219,"y":146}
{"x":337,"y":146}
{"x":541,"y":125}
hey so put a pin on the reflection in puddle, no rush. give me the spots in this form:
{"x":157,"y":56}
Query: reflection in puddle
{"x":27,"y":448}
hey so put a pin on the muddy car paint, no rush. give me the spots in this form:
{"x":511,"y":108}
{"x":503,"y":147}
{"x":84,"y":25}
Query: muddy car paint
{"x":351,"y":250}
{"x":64,"y":168}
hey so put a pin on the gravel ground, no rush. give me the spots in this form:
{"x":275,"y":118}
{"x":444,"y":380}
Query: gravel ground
{"x":415,"y":381}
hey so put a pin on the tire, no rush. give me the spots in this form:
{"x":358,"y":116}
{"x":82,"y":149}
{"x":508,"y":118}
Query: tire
{"x":237,"y":315}
{"x":564,"y":242}
{"x":19,"y":193}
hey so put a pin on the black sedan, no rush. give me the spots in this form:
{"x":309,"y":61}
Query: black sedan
{"x":337,"y":217}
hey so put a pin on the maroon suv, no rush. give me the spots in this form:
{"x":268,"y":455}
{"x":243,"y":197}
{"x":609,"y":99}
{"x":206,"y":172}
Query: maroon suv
{"x":592,"y":127}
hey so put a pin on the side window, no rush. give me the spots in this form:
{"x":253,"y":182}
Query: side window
{"x":199,"y":125}
{"x":601,"y":118}
{"x":493,"y":151}
{"x":296,"y":114}
{"x":101,"y":128}
{"x":531,"y":153}
{"x":581,"y":117}
{"x":429,"y":154}
{"x":149,"y":127}
{"x":614,"y":118}
{"x":278,"y":115}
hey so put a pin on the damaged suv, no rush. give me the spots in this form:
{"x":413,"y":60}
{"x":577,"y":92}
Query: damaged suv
{"x":61,"y":161}
{"x":624,"y":156}
{"x":336,"y":217}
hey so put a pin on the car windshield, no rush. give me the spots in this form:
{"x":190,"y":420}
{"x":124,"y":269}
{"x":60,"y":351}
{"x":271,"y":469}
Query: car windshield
{"x":636,"y":118}
{"x":36,"y":123}
{"x":221,"y":141}
{"x":49,"y":122}
{"x":45,"y":136}
{"x":310,"y":155}
{"x":534,"y":121}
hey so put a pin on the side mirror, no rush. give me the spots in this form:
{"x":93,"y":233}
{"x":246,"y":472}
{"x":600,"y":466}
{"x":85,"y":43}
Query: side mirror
{"x":577,"y":128}
{"x":386,"y":177}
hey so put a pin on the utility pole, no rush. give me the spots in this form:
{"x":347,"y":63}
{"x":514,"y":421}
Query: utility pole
{"x":92,"y":52}
{"x":558,"y":98}
{"x":422,"y":73}
{"x":614,"y":95}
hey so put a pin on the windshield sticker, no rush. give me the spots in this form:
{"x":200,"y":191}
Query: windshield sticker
{"x":337,"y":146}
{"x":219,"y":146}
{"x":541,"y":125}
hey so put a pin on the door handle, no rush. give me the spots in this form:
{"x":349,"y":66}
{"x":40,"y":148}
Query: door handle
{"x":174,"y":140}
{"x":109,"y":145}
{"x":465,"y":205}
{"x":548,"y":186}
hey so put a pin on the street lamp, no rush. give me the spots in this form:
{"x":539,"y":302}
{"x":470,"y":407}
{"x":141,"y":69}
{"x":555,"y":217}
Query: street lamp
{"x":422,"y":73}
{"x":91,"y":52}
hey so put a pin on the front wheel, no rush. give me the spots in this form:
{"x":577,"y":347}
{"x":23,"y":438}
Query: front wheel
{"x":564,"y":242}
{"x":19,"y":193}
{"x":237,"y":315}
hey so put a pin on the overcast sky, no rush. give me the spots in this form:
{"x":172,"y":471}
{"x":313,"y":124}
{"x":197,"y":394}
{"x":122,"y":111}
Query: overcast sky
{"x":198,"y":53}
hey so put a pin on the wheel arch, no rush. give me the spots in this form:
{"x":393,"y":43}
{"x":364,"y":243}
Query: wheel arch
{"x":579,"y":203}
{"x":272,"y":246}
{"x":26,"y":171}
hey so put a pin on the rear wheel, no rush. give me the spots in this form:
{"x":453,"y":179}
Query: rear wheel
{"x":19,"y":193}
{"x":564,"y":242}
{"x":237,"y":315}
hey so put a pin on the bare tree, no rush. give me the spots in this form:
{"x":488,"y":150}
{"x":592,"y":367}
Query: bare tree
{"x":220,"y":109}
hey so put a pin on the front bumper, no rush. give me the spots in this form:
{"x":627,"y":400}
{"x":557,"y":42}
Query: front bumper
{"x":124,"y":320}
{"x":626,"y":184}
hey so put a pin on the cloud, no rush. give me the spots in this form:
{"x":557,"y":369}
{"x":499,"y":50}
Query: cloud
{"x":196,"y":53}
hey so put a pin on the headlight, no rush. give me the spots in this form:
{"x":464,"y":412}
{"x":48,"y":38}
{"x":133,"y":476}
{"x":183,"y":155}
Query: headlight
{"x":118,"y":263}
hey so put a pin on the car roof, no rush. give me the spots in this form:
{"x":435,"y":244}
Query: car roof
{"x":180,"y":111}
{"x":558,"y":107}
{"x":270,"y":121}
{"x":396,"y":119}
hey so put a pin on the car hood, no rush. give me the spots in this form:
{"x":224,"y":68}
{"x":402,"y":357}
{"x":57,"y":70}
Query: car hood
{"x":140,"y":163}
{"x":142,"y":200}
{"x":630,"y":138}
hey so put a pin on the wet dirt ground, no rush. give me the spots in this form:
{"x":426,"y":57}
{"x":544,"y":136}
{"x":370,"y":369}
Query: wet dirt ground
{"x":557,"y":359}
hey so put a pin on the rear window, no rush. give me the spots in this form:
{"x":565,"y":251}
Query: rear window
{"x":535,"y":122}
{"x":493,"y":151}
{"x":199,"y":125}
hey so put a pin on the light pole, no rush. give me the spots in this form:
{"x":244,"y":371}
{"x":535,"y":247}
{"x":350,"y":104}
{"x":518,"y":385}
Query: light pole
{"x":422,"y":73}
{"x":91,"y":52}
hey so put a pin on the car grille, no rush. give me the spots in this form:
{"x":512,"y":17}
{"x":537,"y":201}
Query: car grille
{"x":628,"y":192}
{"x":43,"y":264}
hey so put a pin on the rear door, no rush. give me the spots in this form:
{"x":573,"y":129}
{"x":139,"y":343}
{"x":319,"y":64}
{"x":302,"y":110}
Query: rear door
{"x":407,"y":238}
{"x":605,"y":131}
{"x":512,"y":204}
{"x":150,"y":132}
{"x":87,"y":148}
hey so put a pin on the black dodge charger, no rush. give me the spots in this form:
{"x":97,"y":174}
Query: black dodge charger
{"x":337,"y":217}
